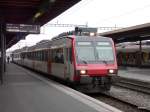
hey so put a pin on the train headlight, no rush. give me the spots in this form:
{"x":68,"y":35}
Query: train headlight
{"x":82,"y":72}
{"x":111,"y":71}
{"x":92,"y":34}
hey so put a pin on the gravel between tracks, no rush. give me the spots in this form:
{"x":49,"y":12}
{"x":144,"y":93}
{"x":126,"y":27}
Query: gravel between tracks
{"x":120,"y":105}
{"x":141,"y":100}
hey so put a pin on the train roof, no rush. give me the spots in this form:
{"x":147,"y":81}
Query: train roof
{"x":21,"y":50}
{"x":131,"y":48}
{"x":145,"y":42}
{"x":43,"y":44}
{"x":16,"y":51}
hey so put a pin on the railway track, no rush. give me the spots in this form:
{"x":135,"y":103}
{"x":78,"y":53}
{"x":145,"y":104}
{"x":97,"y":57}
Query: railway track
{"x":118,"y":103}
{"x":129,"y":85}
{"x":136,"y":85}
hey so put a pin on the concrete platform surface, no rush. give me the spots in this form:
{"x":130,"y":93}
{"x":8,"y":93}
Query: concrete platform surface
{"x":24,"y":91}
{"x":142,"y":74}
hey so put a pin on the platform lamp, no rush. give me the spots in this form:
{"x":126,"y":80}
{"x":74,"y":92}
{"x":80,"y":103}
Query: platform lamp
{"x":44,"y":7}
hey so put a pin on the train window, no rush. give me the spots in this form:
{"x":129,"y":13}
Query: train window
{"x":53,"y":55}
{"x":36,"y":55}
{"x":22,"y":55}
{"x":69,"y":54}
{"x":105,"y":53}
{"x":39,"y":55}
{"x":85,"y":53}
{"x":58,"y":56}
{"x":30,"y":55}
{"x":45,"y":55}
{"x":49,"y":55}
{"x":42,"y":55}
{"x":33,"y":55}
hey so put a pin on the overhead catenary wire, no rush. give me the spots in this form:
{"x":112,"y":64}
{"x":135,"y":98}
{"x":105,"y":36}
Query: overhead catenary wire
{"x":126,"y":13}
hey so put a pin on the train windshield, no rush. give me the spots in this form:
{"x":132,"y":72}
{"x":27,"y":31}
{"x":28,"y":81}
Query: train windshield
{"x":94,"y":52}
{"x":104,"y":51}
{"x":85,"y":52}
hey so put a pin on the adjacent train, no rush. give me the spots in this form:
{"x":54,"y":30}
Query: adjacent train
{"x":130,"y":55}
{"x":87,"y":62}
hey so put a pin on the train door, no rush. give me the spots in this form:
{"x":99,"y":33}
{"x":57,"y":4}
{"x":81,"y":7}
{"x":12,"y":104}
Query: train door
{"x":69,"y":68}
{"x":49,"y":61}
{"x":67,"y":63}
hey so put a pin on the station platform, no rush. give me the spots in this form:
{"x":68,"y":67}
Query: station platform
{"x":141,"y":74}
{"x":25,"y":91}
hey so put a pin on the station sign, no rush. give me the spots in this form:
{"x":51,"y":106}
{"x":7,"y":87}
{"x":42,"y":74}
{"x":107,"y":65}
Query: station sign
{"x":23,"y":28}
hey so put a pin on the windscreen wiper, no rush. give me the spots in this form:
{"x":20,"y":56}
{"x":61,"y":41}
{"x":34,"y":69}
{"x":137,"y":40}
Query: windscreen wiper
{"x":104,"y":61}
{"x":85,"y":62}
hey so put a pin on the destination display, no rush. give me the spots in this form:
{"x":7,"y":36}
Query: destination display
{"x":23,"y":28}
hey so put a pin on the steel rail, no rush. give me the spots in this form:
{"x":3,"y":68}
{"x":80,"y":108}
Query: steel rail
{"x":133,"y":84}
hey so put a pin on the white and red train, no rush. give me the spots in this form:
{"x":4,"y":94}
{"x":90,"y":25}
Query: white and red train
{"x":129,"y":55}
{"x":88,"y":62}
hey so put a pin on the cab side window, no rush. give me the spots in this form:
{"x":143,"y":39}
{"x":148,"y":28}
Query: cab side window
{"x":58,"y":56}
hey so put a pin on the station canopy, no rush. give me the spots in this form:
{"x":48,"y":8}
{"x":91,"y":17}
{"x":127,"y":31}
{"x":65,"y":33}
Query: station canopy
{"x":130,"y":34}
{"x":29,"y":12}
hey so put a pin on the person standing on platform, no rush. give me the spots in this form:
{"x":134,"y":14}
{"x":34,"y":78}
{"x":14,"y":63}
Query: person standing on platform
{"x":8,"y":58}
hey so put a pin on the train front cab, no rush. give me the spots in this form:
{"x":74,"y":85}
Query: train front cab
{"x":95,"y":63}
